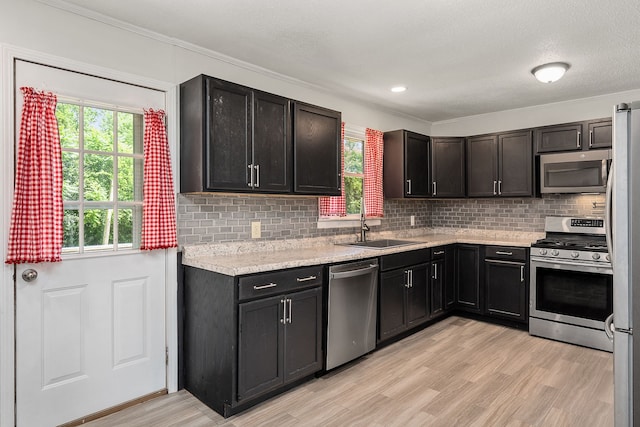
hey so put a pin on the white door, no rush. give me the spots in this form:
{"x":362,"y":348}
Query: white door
{"x":90,"y":331}
{"x":90,"y":334}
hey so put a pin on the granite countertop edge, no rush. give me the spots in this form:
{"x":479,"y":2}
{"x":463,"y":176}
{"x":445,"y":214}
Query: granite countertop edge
{"x":244,"y":258}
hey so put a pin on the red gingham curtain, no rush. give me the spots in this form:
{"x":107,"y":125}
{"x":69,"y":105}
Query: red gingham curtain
{"x":335,"y":206}
{"x":373,"y":195}
{"x":35,"y":234}
{"x":158,"y":207}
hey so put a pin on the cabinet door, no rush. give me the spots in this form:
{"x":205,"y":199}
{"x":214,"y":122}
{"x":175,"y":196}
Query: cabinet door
{"x":303,"y":334}
{"x":228,"y":146}
{"x":506,"y":289}
{"x":437,"y":287}
{"x":482,"y":166}
{"x":316,"y":150}
{"x":600,"y":133}
{"x":450,"y":277}
{"x":261,"y":340}
{"x":515,"y":160}
{"x":391,"y":303}
{"x":448,"y":167}
{"x":559,"y":138}
{"x":416,"y":165}
{"x":271,"y":143}
{"x":468,"y":277}
{"x":418,"y":295}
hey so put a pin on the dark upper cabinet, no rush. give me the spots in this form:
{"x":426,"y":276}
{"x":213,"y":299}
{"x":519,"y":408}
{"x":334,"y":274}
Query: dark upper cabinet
{"x":600,"y":133}
{"x":500,"y":165}
{"x":316,"y":150}
{"x":235,"y":138}
{"x":406,"y":165}
{"x":468,"y":278}
{"x":448,"y":167}
{"x":574,"y":136}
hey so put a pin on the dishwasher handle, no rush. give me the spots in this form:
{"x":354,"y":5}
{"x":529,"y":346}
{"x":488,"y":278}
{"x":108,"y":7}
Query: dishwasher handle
{"x":354,"y":273}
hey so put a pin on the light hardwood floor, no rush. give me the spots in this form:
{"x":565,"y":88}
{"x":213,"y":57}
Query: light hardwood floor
{"x":458,"y":372}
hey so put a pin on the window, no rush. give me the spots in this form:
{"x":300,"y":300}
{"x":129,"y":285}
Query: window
{"x":102,"y":162}
{"x":353,"y":174}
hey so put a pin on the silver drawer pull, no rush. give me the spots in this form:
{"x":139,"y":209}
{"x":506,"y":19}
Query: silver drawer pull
{"x":438,"y":252}
{"x":267,"y":286}
{"x":306,"y":279}
{"x":504,"y":253}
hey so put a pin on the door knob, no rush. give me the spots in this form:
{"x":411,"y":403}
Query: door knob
{"x":29,"y":275}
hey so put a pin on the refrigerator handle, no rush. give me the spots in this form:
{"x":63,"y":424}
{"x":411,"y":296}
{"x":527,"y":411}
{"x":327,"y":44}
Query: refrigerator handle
{"x":608,"y":206}
{"x":608,"y":327}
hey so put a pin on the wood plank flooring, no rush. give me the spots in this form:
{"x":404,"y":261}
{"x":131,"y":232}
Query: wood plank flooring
{"x":458,"y":372}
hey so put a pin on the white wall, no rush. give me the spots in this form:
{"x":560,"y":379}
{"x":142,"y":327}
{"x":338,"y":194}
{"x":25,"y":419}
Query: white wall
{"x":33,"y":25}
{"x":539,"y":115}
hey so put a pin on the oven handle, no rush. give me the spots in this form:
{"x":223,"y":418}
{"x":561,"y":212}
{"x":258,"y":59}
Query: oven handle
{"x":608,"y":327}
{"x":569,"y":263}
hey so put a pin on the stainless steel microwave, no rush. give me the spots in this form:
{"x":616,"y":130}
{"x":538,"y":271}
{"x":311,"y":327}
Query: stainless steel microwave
{"x":576,"y":172}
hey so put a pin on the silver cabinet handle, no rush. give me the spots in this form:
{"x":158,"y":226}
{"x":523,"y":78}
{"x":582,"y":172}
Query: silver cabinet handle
{"x":267,"y":286}
{"x":290,"y":315}
{"x":435,"y":188}
{"x":438,"y":252}
{"x":435,"y":271}
{"x":284,"y":310}
{"x":590,"y":138}
{"x":522,"y":273}
{"x":257,"y":168}
{"x":578,"y":139}
{"x":504,"y":253}
{"x":406,"y":275}
{"x":305,"y":279}
{"x":494,"y":187}
{"x":251,"y":175}
{"x":500,"y":187}
{"x":409,"y":186}
{"x":411,"y":278}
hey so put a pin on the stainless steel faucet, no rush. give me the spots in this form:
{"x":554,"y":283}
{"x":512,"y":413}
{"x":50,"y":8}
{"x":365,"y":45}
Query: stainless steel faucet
{"x":363,"y":228}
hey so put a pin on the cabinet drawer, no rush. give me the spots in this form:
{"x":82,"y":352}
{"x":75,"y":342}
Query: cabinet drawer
{"x":277,"y":282}
{"x":403,"y":259}
{"x":438,"y":253}
{"x":506,"y":252}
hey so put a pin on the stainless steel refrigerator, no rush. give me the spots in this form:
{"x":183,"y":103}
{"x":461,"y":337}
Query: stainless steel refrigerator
{"x":623,"y":218}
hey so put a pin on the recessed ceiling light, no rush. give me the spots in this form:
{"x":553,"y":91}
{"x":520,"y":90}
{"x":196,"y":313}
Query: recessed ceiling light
{"x":398,"y":89}
{"x":549,"y":73}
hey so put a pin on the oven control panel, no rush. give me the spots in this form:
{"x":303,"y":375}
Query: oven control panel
{"x":587,"y":222}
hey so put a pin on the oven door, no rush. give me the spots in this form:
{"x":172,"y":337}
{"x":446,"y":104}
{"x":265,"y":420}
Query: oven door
{"x":579,"y":294}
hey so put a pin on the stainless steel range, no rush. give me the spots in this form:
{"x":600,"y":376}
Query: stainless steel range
{"x":571,"y":282}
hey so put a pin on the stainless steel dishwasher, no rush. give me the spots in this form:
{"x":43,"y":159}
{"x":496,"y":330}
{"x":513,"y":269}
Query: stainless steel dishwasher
{"x":352,"y":311}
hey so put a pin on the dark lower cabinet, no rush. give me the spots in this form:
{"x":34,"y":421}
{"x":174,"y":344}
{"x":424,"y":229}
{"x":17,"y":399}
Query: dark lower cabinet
{"x":392,"y":307}
{"x":438,"y":277}
{"x":248,"y":337}
{"x":468,"y":278}
{"x":418,"y":295}
{"x":507,"y":283}
{"x":450,"y":278}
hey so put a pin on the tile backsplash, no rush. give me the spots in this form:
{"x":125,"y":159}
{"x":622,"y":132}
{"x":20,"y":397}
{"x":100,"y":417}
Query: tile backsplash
{"x":215,"y":217}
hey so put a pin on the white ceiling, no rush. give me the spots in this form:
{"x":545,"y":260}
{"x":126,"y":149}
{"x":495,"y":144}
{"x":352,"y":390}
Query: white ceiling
{"x":457,"y":57}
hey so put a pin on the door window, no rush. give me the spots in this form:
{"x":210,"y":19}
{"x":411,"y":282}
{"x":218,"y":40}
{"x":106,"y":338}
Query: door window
{"x":102,"y":162}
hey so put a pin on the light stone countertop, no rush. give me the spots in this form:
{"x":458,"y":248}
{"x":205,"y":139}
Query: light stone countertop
{"x":240,"y":258}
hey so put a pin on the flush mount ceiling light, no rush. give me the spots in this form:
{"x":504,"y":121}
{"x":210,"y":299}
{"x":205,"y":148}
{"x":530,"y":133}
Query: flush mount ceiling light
{"x":549,"y":73}
{"x":398,"y":89}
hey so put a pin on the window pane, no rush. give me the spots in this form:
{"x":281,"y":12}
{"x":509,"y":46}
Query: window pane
{"x":68,"y":125}
{"x":129,"y":179}
{"x":353,"y":193}
{"x":98,"y":129}
{"x":129,"y":227}
{"x":98,"y":177}
{"x":353,"y":156}
{"x":70,"y":175}
{"x":98,"y":229}
{"x":71,"y":231}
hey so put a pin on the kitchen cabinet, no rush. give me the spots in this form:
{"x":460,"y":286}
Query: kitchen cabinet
{"x":247,"y":338}
{"x":437,"y":287}
{"x":316,"y":150}
{"x":571,"y":136}
{"x":403,"y":292}
{"x":448,"y":167}
{"x":500,"y":165}
{"x":450,"y":277}
{"x":506,"y":281}
{"x":237,"y":139}
{"x":468,"y":297}
{"x":406,"y":165}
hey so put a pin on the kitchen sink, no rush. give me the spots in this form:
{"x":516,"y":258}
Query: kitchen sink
{"x":382,"y":244}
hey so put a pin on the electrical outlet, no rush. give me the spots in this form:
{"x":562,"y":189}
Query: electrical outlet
{"x":255,"y":229}
{"x":412,"y":218}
